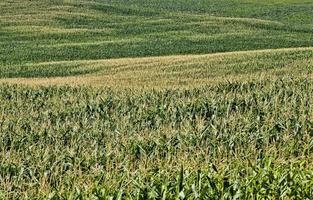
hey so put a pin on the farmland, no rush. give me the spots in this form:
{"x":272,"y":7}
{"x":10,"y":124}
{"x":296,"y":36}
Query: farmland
{"x":156,"y":99}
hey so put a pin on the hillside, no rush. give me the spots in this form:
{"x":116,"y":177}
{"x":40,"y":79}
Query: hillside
{"x":41,"y":31}
{"x":168,"y":71}
{"x":137,"y":99}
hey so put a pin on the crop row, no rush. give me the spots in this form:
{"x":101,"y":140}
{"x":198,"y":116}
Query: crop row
{"x":243,"y":139}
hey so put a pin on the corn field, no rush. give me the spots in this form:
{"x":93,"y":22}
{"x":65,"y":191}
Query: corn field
{"x":157,"y":99}
{"x":238,"y":140}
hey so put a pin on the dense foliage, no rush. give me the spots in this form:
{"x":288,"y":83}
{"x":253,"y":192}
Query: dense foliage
{"x":243,"y":140}
{"x":99,"y":118}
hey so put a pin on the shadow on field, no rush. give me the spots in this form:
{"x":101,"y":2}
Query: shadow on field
{"x":44,"y":70}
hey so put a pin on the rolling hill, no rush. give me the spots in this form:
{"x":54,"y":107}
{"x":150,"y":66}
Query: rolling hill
{"x":136,"y":99}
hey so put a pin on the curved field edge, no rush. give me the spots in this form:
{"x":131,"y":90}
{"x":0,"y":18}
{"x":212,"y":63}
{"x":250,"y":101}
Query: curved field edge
{"x":41,"y":31}
{"x":235,"y":125}
{"x":174,"y":71}
{"x":233,"y":140}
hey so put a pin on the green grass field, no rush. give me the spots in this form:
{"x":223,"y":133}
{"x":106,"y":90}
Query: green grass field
{"x":135,"y":99}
